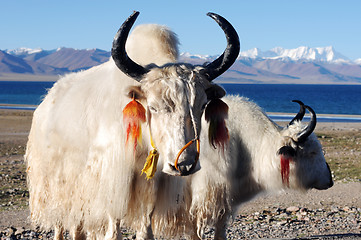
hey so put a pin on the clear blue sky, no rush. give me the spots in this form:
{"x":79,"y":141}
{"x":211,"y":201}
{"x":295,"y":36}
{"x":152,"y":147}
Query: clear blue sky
{"x":265,"y":24}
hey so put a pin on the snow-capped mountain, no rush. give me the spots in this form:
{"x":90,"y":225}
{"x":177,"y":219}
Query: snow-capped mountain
{"x":278,"y":65}
{"x":75,"y":59}
{"x":24,"y":51}
{"x":257,"y":53}
{"x":29,"y":53}
{"x":195,"y":56}
{"x":358,"y":61}
{"x":13,"y":64}
{"x":62,"y":59}
{"x":319,"y":54}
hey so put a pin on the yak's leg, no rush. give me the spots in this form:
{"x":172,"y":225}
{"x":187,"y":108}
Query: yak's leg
{"x":91,"y":236}
{"x":194,"y":236}
{"x":78,"y":233}
{"x":113,"y":232}
{"x":58,"y":233}
{"x":145,"y":229}
{"x":221,"y":226}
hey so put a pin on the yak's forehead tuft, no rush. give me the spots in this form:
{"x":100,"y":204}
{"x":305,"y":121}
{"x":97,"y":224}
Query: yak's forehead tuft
{"x":294,"y":129}
{"x":174,"y":84}
{"x":184,"y":71}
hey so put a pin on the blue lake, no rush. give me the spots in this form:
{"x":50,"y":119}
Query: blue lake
{"x":28,"y":93}
{"x":327,"y":99}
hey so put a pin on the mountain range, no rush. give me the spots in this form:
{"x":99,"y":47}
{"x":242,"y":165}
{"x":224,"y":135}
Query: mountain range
{"x":302,"y":65}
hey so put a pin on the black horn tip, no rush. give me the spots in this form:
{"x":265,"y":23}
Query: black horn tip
{"x":134,"y":14}
{"x":299,"y":102}
{"x":300,"y":114}
{"x":310,"y":127}
{"x":218,"y":18}
{"x":313,"y":114}
{"x":119,"y":55}
{"x":124,"y":29}
{"x":229,"y":56}
{"x":215,"y":16}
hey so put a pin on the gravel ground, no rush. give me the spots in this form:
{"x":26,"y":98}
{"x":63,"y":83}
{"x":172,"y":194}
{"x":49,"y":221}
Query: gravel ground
{"x":265,"y":218}
{"x":331,"y":214}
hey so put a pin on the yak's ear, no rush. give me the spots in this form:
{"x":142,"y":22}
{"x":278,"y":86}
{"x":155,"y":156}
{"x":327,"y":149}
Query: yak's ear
{"x":287,"y":151}
{"x":135,"y":92}
{"x":216,"y":114}
{"x":215,"y":91}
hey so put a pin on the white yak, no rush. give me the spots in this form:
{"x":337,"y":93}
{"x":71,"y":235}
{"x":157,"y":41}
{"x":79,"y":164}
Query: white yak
{"x":86,"y":149}
{"x":260,"y":157}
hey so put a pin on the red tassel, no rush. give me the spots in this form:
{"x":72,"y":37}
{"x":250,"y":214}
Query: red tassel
{"x":133,"y":117}
{"x":285,"y":169}
{"x":216,"y":113}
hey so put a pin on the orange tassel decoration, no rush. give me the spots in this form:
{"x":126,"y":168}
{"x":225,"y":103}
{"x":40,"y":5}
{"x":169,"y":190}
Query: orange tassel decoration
{"x":216,"y":112}
{"x":133,"y":117}
{"x":287,"y":153}
{"x":285,"y":169}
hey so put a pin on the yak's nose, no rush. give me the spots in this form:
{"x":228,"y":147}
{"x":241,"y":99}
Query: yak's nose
{"x":328,"y":184}
{"x":183,"y":170}
{"x":331,"y":180}
{"x":186,"y":170}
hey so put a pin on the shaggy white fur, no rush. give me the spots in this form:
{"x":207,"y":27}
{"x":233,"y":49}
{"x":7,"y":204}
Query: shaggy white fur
{"x":249,"y":166}
{"x":82,"y":176}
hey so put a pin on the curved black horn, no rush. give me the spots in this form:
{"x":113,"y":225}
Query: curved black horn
{"x":120,"y":56}
{"x":229,"y":56}
{"x":300,"y":114}
{"x":302,"y":136}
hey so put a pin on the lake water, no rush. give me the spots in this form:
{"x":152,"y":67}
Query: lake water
{"x":326,"y":99}
{"x":27,"y":93}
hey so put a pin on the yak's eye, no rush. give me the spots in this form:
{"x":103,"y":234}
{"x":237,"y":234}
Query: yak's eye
{"x":152,"y":109}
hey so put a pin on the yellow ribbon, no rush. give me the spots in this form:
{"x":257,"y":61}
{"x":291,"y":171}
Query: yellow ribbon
{"x":150,"y":166}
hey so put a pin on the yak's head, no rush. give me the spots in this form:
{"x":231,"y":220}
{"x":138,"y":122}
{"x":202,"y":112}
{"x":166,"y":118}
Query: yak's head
{"x":302,"y":162}
{"x":174,"y":97}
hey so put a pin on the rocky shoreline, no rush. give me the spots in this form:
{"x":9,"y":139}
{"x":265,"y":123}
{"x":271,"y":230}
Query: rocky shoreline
{"x":298,"y":223}
{"x":272,"y":223}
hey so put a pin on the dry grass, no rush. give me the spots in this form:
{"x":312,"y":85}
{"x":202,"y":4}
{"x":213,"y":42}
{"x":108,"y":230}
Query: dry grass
{"x":342,"y":152}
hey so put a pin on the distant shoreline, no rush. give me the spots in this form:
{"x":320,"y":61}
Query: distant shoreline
{"x":18,"y":77}
{"x":341,"y":118}
{"x":288,"y":83}
{"x":275,"y":116}
{"x":17,"y":107}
